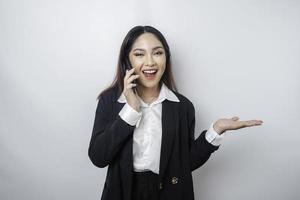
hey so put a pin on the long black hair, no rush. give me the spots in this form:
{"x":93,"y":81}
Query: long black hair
{"x":167,"y":78}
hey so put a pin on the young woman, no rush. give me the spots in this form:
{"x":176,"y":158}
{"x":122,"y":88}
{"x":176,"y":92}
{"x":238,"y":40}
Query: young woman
{"x":144,"y":128}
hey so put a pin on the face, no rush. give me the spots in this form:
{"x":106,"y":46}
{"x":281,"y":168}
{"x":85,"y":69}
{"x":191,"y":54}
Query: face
{"x":148,"y":58}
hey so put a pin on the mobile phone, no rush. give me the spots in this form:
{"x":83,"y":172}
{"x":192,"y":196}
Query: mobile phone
{"x":129,"y":67}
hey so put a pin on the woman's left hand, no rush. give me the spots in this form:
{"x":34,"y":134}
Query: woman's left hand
{"x":223,"y":125}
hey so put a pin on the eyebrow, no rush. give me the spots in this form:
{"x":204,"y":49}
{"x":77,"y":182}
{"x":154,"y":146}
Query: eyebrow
{"x":157,"y":47}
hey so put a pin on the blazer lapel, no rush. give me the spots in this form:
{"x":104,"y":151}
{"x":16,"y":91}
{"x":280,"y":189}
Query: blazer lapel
{"x":170,"y":121}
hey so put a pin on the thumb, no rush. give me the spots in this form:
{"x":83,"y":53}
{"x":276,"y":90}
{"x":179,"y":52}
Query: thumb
{"x":235,"y":118}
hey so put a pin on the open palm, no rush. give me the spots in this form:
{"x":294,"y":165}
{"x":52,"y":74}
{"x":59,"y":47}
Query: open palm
{"x":224,"y":124}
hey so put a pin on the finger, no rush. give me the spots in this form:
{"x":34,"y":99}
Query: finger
{"x":130,"y":85}
{"x":258,"y":122}
{"x":128,"y":71}
{"x":131,"y":71}
{"x":251,"y":123}
{"x":131,"y":78}
{"x":235,"y":118}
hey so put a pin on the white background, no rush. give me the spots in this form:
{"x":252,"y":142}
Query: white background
{"x":230,"y":58}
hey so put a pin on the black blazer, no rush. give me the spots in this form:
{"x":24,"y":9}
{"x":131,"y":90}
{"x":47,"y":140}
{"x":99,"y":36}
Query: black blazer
{"x":111,"y":145}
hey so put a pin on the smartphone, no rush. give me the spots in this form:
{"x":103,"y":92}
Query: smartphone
{"x":129,"y":67}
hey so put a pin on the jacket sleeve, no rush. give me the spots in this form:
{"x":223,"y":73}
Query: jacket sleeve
{"x":108,"y":136}
{"x":200,"y":149}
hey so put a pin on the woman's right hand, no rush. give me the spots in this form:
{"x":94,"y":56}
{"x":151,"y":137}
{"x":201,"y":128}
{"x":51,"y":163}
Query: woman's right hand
{"x":130,"y":95}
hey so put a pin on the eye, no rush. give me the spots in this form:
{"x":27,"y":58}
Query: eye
{"x":138,"y":54}
{"x":159,"y":52}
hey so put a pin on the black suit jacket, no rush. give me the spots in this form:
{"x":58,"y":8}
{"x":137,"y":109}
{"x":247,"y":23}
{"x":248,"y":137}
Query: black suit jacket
{"x":111,"y":145}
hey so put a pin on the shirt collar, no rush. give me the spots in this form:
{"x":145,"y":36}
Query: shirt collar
{"x":165,"y":93}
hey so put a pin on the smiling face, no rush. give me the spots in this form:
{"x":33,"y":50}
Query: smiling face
{"x":148,"y":57}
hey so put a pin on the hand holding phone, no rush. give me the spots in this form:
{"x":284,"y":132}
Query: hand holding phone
{"x":129,"y":89}
{"x":129,"y":67}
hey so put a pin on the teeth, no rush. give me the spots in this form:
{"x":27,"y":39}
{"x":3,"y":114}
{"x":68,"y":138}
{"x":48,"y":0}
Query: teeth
{"x":149,"y":71}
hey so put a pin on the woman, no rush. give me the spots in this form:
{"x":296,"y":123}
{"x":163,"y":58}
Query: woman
{"x":144,"y":128}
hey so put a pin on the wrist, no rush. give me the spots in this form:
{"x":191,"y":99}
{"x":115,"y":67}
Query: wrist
{"x":137,"y":108}
{"x":218,"y":129}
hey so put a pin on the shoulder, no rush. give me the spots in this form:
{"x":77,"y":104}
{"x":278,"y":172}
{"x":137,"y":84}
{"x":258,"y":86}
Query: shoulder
{"x":185,"y":103}
{"x":186,"y":107}
{"x":109,"y":95}
{"x":107,"y":98}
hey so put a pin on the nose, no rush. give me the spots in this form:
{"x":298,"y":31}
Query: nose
{"x":149,"y":60}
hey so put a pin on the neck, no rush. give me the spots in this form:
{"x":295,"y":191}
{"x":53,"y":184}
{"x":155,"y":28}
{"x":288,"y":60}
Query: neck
{"x":148,"y":94}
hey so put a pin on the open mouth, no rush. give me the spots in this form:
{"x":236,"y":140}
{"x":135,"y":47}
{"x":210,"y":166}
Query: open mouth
{"x":150,"y":73}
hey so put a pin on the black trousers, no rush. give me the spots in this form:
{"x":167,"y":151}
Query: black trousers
{"x":145,"y":186}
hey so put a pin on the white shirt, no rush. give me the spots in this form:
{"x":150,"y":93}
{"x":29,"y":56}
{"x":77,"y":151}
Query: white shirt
{"x":148,"y":132}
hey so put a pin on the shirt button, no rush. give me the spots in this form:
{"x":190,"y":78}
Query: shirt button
{"x":174,"y":180}
{"x":160,"y":185}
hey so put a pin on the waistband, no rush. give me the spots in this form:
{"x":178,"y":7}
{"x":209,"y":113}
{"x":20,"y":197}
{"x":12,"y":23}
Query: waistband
{"x":147,"y":173}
